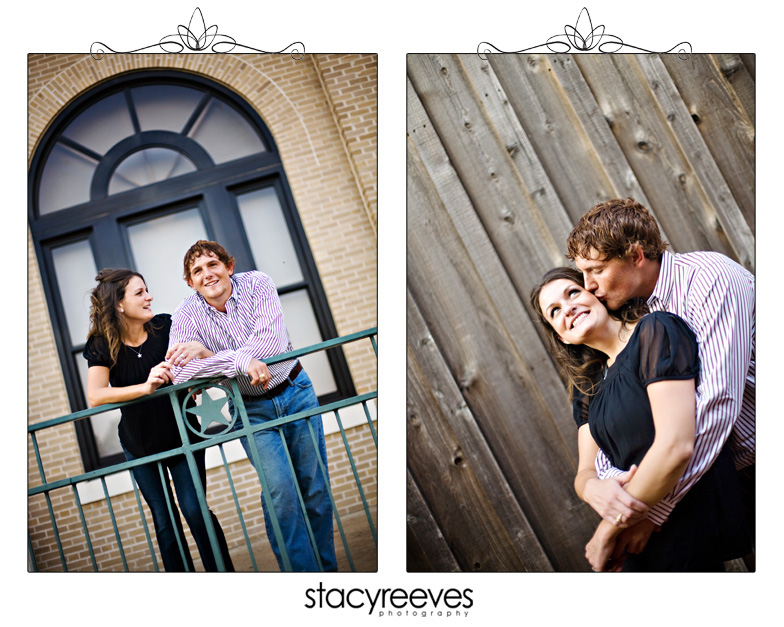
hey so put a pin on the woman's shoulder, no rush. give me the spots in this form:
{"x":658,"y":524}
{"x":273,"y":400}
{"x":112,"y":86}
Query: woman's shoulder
{"x":96,"y":350}
{"x":658,"y":322}
{"x":93,"y":342}
{"x":667,"y":348}
{"x":161,"y":321}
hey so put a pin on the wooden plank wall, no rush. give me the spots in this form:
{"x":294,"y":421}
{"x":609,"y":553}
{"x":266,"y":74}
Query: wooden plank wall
{"x":504,"y":155}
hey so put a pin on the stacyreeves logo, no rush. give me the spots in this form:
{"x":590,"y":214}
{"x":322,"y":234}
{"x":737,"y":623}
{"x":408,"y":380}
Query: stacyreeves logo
{"x":393,"y":601}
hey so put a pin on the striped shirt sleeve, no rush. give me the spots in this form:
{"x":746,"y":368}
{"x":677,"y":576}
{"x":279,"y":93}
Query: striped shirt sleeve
{"x":719,"y":308}
{"x":604,"y":467}
{"x":223,"y":363}
{"x":268,"y":334}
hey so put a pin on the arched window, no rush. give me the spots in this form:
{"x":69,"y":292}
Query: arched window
{"x":130,"y":175}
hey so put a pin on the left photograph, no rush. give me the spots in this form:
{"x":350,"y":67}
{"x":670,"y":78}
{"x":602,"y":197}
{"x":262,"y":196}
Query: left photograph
{"x":202,"y":342}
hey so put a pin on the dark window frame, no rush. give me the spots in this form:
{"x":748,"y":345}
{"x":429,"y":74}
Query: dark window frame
{"x":212,"y":188}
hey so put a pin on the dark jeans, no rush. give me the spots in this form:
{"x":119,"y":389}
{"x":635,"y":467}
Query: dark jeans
{"x":313,"y":484}
{"x":149,"y":481}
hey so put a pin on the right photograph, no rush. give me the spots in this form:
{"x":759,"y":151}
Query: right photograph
{"x":580,"y":313}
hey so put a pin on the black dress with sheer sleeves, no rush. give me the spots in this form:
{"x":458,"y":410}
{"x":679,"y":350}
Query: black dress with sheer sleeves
{"x":707,"y":526}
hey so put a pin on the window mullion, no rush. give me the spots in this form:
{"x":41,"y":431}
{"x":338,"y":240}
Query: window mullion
{"x":114,"y":256}
{"x":132,"y":111}
{"x":195,"y":115}
{"x":87,"y":152}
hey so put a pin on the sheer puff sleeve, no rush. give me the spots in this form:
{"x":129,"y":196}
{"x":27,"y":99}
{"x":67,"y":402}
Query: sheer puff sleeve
{"x":96,"y":352}
{"x":668,"y":349}
{"x":580,"y":410}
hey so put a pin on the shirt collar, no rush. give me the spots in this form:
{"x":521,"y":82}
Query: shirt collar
{"x":664,"y":284}
{"x":231,"y":299}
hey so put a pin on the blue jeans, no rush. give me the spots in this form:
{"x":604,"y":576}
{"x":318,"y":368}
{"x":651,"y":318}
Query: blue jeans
{"x":313,"y":483}
{"x":149,"y":482}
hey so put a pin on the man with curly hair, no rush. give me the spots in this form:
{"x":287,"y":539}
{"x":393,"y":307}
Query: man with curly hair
{"x":239,"y":318}
{"x":618,"y":248}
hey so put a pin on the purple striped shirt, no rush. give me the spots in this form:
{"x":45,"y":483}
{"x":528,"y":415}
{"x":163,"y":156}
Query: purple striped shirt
{"x":715,"y":296}
{"x":252,"y":327}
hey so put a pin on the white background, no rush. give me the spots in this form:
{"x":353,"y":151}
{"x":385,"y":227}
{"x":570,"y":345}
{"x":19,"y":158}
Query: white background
{"x":393,"y":29}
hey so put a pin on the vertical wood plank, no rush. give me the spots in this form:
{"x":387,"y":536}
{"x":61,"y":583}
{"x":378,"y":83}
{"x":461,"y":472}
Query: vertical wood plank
{"x":722,"y":119}
{"x":427,"y":550}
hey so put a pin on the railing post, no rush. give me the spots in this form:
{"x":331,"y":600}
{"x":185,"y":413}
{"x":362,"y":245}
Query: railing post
{"x":245,"y":430}
{"x":200,"y":490}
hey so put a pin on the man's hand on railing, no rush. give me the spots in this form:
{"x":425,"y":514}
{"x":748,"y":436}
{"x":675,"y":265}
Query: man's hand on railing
{"x":183,"y":352}
{"x":259,"y":373}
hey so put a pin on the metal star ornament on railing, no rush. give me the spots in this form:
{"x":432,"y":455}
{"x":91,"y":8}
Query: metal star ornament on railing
{"x":197,"y":37}
{"x":583,"y":37}
{"x":209,"y":411}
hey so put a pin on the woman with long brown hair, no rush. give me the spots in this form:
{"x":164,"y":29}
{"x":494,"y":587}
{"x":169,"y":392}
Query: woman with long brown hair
{"x":635,"y":375}
{"x":125,"y":352}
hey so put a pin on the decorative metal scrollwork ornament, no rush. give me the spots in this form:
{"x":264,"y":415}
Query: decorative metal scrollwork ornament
{"x":197,"y":37}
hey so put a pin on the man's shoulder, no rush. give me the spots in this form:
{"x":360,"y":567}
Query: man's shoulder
{"x":708,"y":263}
{"x":251,"y":276}
{"x":252,"y":280}
{"x":186,"y":307}
{"x":702,"y":258}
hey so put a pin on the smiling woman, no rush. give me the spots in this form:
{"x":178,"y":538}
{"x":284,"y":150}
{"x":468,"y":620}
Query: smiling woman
{"x":575,"y":314}
{"x":125,"y":354}
{"x":581,"y":353}
{"x":632,"y":377}
{"x":135,"y":306}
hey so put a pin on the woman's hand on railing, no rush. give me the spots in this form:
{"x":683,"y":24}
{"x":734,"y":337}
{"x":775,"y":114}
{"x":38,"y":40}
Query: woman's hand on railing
{"x":159,"y":375}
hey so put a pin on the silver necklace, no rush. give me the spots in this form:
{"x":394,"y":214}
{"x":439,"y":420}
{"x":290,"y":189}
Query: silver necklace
{"x":139,"y":352}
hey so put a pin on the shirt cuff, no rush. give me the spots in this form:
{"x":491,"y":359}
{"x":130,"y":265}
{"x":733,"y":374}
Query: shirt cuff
{"x":241,"y":362}
{"x":660,"y":512}
{"x":606,"y":472}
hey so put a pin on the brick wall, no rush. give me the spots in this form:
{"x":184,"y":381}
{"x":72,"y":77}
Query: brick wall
{"x":321,"y":111}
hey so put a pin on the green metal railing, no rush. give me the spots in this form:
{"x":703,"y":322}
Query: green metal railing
{"x":233,"y":430}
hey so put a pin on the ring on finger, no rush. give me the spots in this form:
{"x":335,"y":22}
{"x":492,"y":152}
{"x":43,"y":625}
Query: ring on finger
{"x":619,"y":519}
